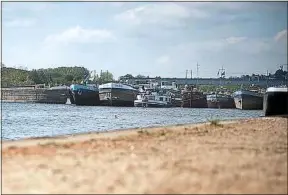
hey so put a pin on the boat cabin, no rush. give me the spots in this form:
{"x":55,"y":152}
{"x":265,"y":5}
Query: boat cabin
{"x":168,"y":85}
{"x":154,"y":97}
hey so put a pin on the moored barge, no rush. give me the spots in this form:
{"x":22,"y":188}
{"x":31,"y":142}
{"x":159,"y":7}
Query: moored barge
{"x":220,"y":101}
{"x":117,"y":94}
{"x":84,"y":95}
{"x":248,"y":100}
{"x":191,"y":98}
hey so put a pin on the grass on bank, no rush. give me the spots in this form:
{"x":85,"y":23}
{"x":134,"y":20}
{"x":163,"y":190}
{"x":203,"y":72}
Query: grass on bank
{"x":215,"y":122}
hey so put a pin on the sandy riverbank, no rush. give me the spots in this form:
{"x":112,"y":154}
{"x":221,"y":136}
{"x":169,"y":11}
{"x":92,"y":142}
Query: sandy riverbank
{"x":246,"y":156}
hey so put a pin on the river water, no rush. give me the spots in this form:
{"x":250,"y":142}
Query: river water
{"x":23,"y":120}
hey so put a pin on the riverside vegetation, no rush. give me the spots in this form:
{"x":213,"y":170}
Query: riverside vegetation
{"x":52,"y":76}
{"x":20,"y":76}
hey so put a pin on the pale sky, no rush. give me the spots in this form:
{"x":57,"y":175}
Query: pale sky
{"x":157,"y":39}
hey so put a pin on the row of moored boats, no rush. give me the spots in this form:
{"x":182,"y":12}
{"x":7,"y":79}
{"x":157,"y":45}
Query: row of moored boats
{"x":118,"y":94}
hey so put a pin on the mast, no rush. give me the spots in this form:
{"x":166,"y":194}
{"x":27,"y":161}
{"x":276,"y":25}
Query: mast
{"x":222,"y":74}
{"x":197,"y":72}
{"x":186,"y":77}
{"x":101,"y":77}
{"x":267,"y":77}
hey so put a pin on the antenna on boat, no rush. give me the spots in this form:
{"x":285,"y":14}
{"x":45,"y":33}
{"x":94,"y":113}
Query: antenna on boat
{"x":222,"y":73}
{"x":197,"y":72}
{"x":267,"y":77}
{"x":186,"y":76}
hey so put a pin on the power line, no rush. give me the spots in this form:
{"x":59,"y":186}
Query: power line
{"x":197,"y":73}
{"x":198,"y":70}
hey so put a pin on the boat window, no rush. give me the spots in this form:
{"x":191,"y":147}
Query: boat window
{"x":166,"y":99}
{"x":161,"y":98}
{"x":151,"y":97}
{"x":166,"y":83}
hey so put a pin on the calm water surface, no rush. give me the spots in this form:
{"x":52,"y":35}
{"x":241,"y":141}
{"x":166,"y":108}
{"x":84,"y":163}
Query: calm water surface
{"x":22,"y":120}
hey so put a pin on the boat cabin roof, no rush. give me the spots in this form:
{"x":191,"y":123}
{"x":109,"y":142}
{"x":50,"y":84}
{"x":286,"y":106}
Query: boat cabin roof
{"x":277,"y":89}
{"x":153,"y":95}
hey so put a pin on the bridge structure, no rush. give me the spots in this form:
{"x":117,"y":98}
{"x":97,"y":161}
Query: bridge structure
{"x":214,"y":81}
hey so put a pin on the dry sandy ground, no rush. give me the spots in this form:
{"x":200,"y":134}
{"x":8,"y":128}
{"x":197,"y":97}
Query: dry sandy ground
{"x":246,"y":156}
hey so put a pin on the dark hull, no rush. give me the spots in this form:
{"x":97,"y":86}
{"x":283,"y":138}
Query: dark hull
{"x":275,"y":103}
{"x":117,"y":97}
{"x":195,"y":103}
{"x":176,"y":103}
{"x":71,"y":97}
{"x":229,"y":104}
{"x":192,"y":99}
{"x":61,"y":100}
{"x":147,"y":105}
{"x":53,"y":96}
{"x":248,"y":102}
{"x":86,"y":98}
{"x":119,"y":103}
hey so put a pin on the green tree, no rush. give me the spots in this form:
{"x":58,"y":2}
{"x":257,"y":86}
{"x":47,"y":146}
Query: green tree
{"x":42,"y":77}
{"x":140,"y":76}
{"x":279,"y":74}
{"x":125,"y":77}
{"x":128,"y":76}
{"x":33,"y":75}
{"x":60,"y":75}
{"x":106,"y":77}
{"x":69,"y":78}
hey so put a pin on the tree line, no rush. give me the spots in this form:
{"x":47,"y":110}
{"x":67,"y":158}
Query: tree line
{"x":51,"y":76}
{"x":280,"y":74}
{"x":67,"y":75}
{"x":139,"y":76}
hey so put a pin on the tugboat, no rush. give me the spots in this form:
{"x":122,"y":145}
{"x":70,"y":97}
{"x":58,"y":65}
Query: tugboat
{"x":117,"y":94}
{"x":191,"y":98}
{"x":276,"y":101}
